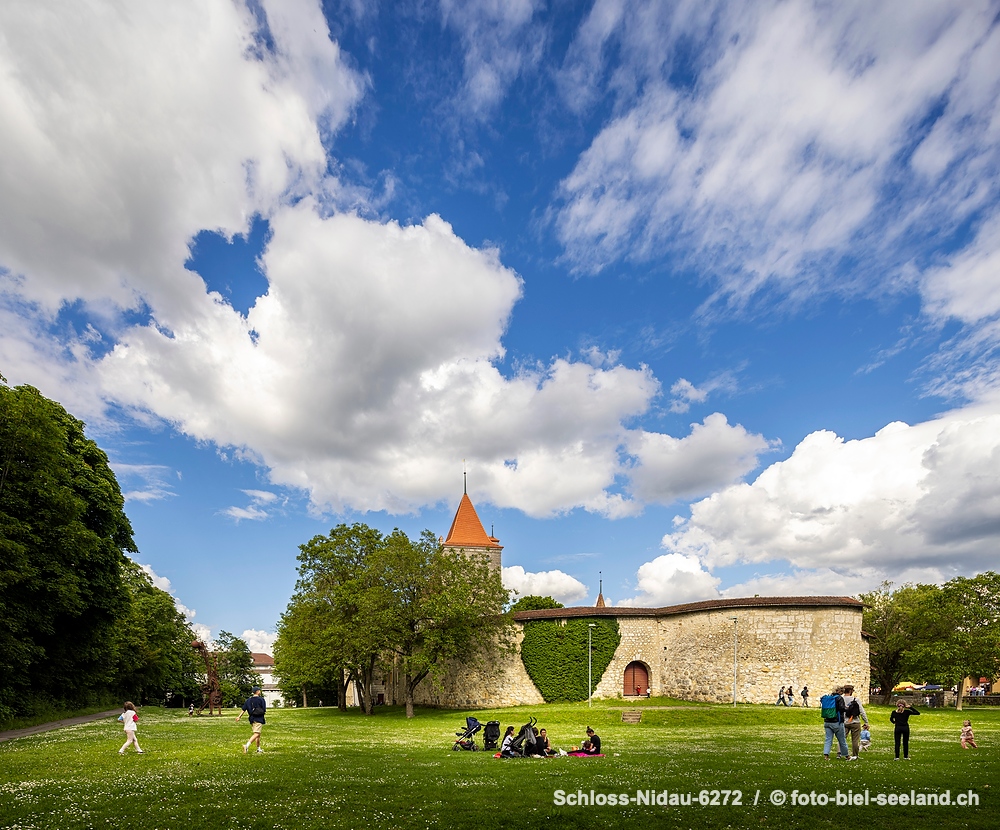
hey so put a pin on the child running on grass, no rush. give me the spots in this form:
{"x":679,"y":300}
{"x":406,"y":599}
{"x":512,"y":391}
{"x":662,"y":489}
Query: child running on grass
{"x":968,"y":739}
{"x":131,"y":721}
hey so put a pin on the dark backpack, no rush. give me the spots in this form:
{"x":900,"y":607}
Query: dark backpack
{"x":828,"y":708}
{"x":258,"y":708}
{"x":853,"y":710}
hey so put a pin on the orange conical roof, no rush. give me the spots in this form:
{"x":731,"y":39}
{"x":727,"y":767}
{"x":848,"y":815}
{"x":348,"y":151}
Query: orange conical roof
{"x":466,"y":530}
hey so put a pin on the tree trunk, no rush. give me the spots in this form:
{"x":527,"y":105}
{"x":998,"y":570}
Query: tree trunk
{"x":342,"y":684}
{"x":367,"y":680}
{"x":961,"y":694}
{"x":408,"y":685}
{"x":305,"y":703}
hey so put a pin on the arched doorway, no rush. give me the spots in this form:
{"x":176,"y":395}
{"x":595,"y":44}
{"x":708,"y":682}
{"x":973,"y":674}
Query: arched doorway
{"x":636,"y":677}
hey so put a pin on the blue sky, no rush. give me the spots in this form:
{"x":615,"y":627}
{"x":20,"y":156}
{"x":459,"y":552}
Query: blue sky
{"x":704,"y":296}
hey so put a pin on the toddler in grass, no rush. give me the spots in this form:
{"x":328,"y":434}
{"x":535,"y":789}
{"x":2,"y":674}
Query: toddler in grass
{"x":968,"y":739}
{"x":866,"y":738}
{"x":131,"y":721}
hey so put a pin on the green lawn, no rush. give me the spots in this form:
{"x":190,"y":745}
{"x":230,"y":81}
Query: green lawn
{"x":325,"y":769}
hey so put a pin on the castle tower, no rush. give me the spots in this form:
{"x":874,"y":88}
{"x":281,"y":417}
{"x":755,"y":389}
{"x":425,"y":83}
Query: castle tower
{"x":467,"y":534}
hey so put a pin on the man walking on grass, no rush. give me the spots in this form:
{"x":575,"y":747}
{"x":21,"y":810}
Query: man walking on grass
{"x":255,"y":707}
{"x":854,"y":717}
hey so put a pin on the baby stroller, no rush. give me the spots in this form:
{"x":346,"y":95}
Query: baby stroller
{"x":523,"y":744}
{"x":466,"y":739}
{"x":491,"y":735}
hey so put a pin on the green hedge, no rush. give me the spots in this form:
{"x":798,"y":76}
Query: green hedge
{"x":555,"y":656}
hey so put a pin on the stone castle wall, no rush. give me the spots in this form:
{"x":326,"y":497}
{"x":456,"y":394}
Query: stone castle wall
{"x":505,"y":683}
{"x":690,"y":656}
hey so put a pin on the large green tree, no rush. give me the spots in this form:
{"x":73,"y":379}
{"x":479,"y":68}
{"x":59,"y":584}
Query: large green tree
{"x":154,"y":658}
{"x":896,"y":621}
{"x":302,"y":653}
{"x":933,"y":633}
{"x":533,"y":602}
{"x":237,"y":678}
{"x":340,"y":601}
{"x":63,"y":539}
{"x":966,"y":611}
{"x":447,"y":610}
{"x":365,"y":601}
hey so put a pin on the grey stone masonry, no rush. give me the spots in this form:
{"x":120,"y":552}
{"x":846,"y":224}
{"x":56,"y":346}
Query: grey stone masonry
{"x":687,"y":651}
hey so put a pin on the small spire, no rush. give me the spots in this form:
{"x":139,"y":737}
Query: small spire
{"x":465,"y":479}
{"x":600,"y":592}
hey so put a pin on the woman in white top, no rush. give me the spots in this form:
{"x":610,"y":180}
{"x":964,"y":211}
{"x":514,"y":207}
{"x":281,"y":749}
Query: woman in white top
{"x":131,"y":721}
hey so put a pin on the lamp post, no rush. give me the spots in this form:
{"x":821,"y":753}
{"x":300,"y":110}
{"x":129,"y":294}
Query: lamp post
{"x":590,"y":660}
{"x":734,"y":619}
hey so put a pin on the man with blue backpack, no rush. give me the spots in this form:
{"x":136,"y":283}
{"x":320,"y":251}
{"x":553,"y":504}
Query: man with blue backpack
{"x":832,"y":709}
{"x":256,"y":707}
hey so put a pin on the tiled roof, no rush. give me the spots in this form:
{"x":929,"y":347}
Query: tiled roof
{"x":261,"y":659}
{"x":687,"y":608}
{"x":466,"y":530}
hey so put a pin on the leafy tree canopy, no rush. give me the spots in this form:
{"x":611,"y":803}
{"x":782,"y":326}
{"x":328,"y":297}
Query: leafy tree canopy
{"x":363,"y":598}
{"x":63,"y":539}
{"x":533,"y":602}
{"x":934,"y":633}
{"x":303,"y":650}
{"x":154,"y":659}
{"x":965,"y":638}
{"x":237,"y":678}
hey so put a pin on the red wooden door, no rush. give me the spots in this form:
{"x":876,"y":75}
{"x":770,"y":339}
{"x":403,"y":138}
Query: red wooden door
{"x":636,"y":679}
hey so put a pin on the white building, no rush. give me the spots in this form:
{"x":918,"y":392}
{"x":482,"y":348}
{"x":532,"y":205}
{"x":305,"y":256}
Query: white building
{"x":263,"y":664}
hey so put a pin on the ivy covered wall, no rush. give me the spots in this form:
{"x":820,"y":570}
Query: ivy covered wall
{"x":555,"y":656}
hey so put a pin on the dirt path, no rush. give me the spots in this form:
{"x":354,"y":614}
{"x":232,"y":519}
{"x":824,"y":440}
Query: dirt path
{"x":11,"y":734}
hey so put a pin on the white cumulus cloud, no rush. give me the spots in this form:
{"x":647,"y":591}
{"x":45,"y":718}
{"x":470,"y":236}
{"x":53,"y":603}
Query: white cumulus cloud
{"x":781,"y":146}
{"x":672,"y":579}
{"x":373,"y":362}
{"x":921,"y":499}
{"x":123,"y":136}
{"x":672,"y":468}
{"x":259,"y":640}
{"x":556,"y":584}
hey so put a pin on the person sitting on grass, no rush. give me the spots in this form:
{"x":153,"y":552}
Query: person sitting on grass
{"x":866,"y":738}
{"x":508,"y":736}
{"x":536,"y":748}
{"x":592,"y":746}
{"x":542,"y":745}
